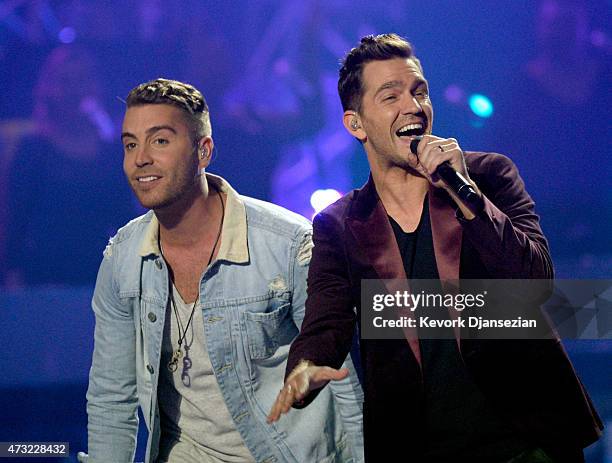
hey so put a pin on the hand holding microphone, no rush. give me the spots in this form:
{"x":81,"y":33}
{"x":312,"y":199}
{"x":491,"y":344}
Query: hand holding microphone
{"x":455,"y":181}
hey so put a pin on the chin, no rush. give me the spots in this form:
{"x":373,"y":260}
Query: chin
{"x":148,"y":204}
{"x":152,"y":203}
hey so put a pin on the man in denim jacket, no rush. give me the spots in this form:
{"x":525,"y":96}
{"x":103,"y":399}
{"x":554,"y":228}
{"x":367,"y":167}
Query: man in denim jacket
{"x":196,"y":304}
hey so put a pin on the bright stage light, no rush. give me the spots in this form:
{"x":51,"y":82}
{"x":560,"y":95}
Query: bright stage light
{"x":320,"y":199}
{"x":481,"y":105}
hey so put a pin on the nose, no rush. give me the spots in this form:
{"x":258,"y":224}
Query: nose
{"x":143,"y":157}
{"x":411,"y":105}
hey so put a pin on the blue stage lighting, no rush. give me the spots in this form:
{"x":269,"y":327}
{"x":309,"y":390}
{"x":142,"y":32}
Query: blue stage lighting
{"x":67,"y":35}
{"x":481,"y":105}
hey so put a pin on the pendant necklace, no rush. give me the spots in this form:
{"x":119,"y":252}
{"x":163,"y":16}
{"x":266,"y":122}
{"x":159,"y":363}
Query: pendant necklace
{"x":178,"y":353}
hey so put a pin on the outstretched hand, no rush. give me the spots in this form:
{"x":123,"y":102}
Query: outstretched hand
{"x":305,"y":378}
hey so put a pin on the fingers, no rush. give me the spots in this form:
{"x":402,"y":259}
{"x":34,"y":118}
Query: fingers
{"x":288,"y":395}
{"x":436,"y":151}
{"x":275,"y":411}
{"x":297,"y":387}
{"x":325,"y":374}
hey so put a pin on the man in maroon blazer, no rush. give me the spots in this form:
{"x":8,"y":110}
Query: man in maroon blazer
{"x":431,"y":400}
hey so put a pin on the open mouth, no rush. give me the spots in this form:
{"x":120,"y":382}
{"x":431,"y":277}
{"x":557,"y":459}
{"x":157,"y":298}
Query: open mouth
{"x":411,"y":130}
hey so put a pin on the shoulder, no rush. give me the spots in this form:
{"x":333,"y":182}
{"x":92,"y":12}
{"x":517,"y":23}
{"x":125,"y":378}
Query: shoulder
{"x":480,"y":162}
{"x":492,"y":170}
{"x":498,"y":177}
{"x":275,"y":231}
{"x":134,"y":227}
{"x":273,"y":218}
{"x":488,"y":163}
{"x":336,"y":213}
{"x":131,"y":232}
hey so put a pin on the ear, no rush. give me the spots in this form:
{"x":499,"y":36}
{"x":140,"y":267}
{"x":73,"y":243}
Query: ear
{"x":204,"y":152}
{"x":352,"y":123}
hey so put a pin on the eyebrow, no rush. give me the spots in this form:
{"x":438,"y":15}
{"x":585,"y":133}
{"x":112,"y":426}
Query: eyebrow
{"x":387,"y":85}
{"x":150,"y":131}
{"x":399,"y":83}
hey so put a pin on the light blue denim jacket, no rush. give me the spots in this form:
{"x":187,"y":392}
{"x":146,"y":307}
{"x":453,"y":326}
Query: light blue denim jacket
{"x":253,"y":305}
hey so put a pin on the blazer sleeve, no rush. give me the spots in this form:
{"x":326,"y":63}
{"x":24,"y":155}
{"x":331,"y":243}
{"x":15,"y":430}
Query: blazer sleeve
{"x":329,"y":322}
{"x":507,"y":233}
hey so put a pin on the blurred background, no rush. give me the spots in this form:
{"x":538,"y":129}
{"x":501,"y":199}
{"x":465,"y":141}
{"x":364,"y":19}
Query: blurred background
{"x":530,"y":79}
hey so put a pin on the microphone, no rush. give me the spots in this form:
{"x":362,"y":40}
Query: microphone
{"x":457,"y":182}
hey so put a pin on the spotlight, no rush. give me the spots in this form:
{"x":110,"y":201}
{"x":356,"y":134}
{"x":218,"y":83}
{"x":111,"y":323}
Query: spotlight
{"x":481,"y":105}
{"x":320,"y":199}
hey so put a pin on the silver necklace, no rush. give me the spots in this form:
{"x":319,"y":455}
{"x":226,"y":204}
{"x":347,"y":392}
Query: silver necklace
{"x":178,"y":353}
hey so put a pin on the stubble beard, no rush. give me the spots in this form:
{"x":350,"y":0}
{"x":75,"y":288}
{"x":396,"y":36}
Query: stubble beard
{"x":181,"y":190}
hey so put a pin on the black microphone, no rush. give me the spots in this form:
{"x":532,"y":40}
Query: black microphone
{"x":457,"y":182}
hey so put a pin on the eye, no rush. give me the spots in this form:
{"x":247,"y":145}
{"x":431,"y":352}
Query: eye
{"x":160,"y":141}
{"x":389,"y":98}
{"x":129,"y":146}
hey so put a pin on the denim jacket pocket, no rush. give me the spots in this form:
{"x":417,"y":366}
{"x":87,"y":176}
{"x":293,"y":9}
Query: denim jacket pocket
{"x":267,"y":331}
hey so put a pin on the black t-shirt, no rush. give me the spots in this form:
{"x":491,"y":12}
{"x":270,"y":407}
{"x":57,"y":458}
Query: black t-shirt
{"x":460,"y":425}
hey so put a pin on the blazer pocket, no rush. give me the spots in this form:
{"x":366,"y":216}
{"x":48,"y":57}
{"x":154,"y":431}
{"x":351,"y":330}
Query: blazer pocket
{"x":267,"y":331}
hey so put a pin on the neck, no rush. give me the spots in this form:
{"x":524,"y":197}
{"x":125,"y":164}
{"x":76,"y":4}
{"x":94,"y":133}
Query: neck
{"x":194,"y":221}
{"x":399,"y":189}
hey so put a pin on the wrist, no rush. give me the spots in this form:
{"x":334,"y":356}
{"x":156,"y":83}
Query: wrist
{"x":300,"y":367}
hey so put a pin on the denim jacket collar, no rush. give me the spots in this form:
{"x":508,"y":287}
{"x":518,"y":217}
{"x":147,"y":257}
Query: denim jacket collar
{"x":234,"y":246}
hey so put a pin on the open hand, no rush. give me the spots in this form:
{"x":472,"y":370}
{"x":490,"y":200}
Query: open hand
{"x":305,"y":378}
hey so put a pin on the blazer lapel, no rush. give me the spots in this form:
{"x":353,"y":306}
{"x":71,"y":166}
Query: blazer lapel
{"x":368,"y":223}
{"x":446,"y":233}
{"x":447,"y":236}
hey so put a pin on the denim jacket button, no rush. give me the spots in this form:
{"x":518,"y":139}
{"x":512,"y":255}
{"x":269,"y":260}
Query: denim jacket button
{"x":152,"y":317}
{"x":158,"y":264}
{"x":150,"y":369}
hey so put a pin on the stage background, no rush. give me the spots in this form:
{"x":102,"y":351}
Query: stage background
{"x":530,"y":79}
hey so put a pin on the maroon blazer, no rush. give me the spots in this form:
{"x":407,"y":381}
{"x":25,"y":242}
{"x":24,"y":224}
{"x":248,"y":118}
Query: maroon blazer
{"x":530,"y":383}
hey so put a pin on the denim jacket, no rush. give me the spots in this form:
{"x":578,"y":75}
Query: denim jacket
{"x":253,"y":298}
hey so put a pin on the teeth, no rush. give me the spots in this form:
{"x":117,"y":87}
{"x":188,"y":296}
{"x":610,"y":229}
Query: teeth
{"x":147,"y":179}
{"x":408,"y":127}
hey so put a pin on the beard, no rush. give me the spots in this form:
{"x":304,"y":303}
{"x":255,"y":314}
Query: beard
{"x":391,"y":156}
{"x":182,"y":189}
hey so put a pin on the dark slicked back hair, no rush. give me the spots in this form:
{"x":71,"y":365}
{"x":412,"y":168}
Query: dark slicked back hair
{"x":172,"y":92}
{"x":371,"y":48}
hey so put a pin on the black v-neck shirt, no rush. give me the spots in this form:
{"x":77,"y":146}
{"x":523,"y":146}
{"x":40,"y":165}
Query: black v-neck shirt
{"x":459,"y":422}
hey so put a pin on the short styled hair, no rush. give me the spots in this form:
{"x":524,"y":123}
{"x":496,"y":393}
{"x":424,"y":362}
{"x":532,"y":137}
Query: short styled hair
{"x":371,"y":48}
{"x":172,"y":92}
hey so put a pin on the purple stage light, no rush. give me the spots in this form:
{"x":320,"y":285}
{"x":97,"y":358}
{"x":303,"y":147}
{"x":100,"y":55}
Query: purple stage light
{"x":454,"y":94}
